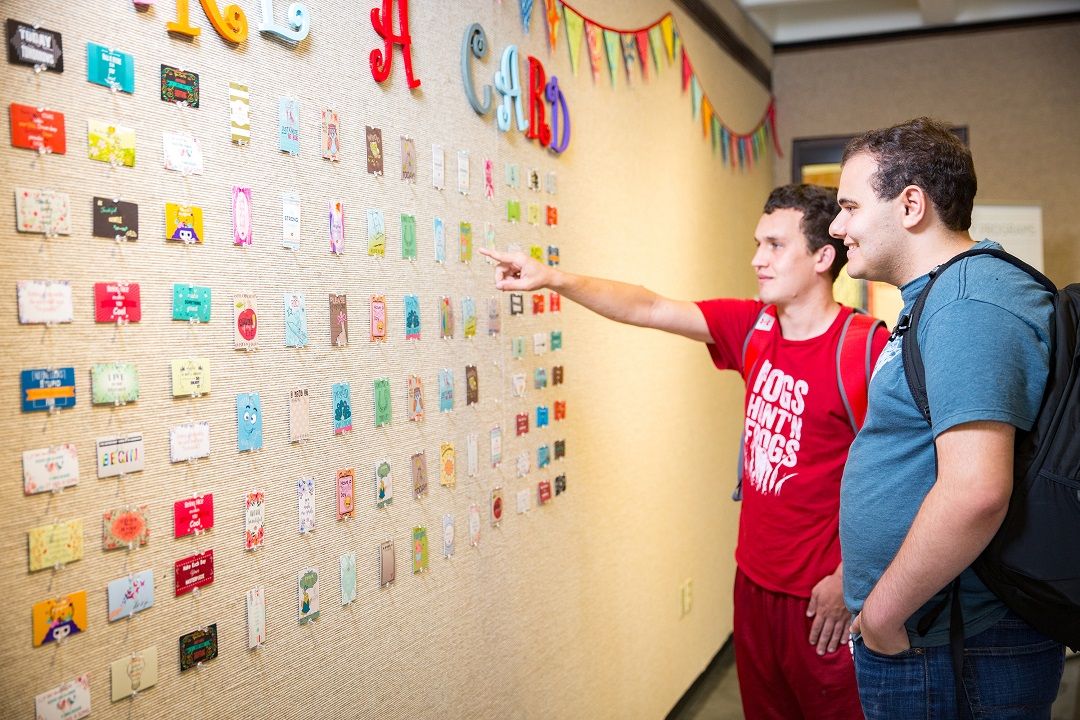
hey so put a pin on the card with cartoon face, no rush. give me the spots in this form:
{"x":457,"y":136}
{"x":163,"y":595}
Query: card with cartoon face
{"x":56,"y":619}
{"x":447,"y":465}
{"x":307,"y":583}
{"x":249,"y":422}
{"x":415,"y":400}
{"x":420,"y":549}
{"x":384,"y":484}
{"x":419,"y":474}
{"x":346,"y":488}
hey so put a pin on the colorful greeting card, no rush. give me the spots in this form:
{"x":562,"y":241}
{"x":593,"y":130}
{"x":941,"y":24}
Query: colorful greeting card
{"x":387,"y":563}
{"x":472,"y":385}
{"x":339,"y":320}
{"x":373,"y":143}
{"x":56,"y":619}
{"x":540,"y":378}
{"x":513,"y":175}
{"x":239,"y":113}
{"x":447,"y":465}
{"x":538,"y":303}
{"x":191,"y":303}
{"x":557,"y":375}
{"x":560,"y":409}
{"x":554,"y":302}
{"x":189,"y":441}
{"x":440,"y":240}
{"x":517,"y":348}
{"x":419,"y":474}
{"x":184,"y":223}
{"x":543,"y":490}
{"x":378,"y":318}
{"x":347,"y":563}
{"x":110,"y":143}
{"x":376,"y":233}
{"x":521,"y":423}
{"x":556,"y":339}
{"x":382,"y":402}
{"x":448,"y":535}
{"x":299,"y":415}
{"x":117,"y":302}
{"x":560,"y":449}
{"x":198,"y":647}
{"x":384,"y":484}
{"x":337,"y":227}
{"x":438,"y":167}
{"x":517,"y":304}
{"x":468,"y":317}
{"x":179,"y":86}
{"x":408,"y":159}
{"x":115,"y":219}
{"x":254,"y":519}
{"x":446,"y":317}
{"x":305,"y":504}
{"x":134,"y":673}
{"x":412,"y":317}
{"x":296,"y":330}
{"x":420,"y":550}
{"x":489,"y":179}
{"x":67,"y":701}
{"x":308,"y":594}
{"x":415,"y":401}
{"x":190,"y":376}
{"x":194,"y":571}
{"x":474,"y":524}
{"x":193,"y":515}
{"x":463,"y":172}
{"x":50,"y":469}
{"x":446,"y":390}
{"x":44,"y":302}
{"x":256,"y":616}
{"x":346,"y":489}
{"x":553,"y":255}
{"x":245,"y":322}
{"x":125,"y":528}
{"x":513,"y":211}
{"x":42,"y":211}
{"x":131,"y":594}
{"x":472,"y":454}
{"x":543,"y":454}
{"x":496,"y":506}
{"x":341,"y":395}
{"x":542,"y":415}
{"x":115,"y":69}
{"x":55,"y":544}
{"x":38,"y":129}
{"x":289,"y":125}
{"x":496,"y":446}
{"x":551,"y":214}
{"x":466,"y":245}
{"x":536,"y":252}
{"x":241,"y":215}
{"x":494,"y":317}
{"x":47,"y":388}
{"x":183,"y":153}
{"x":408,"y":237}
{"x":290,"y":220}
{"x":34,"y":46}
{"x":119,"y":455}
{"x":331,"y":136}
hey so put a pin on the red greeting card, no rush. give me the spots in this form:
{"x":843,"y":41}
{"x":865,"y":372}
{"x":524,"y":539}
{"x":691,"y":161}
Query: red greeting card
{"x":195,"y":571}
{"x":117,"y":302}
{"x":544,"y":489}
{"x":37,"y":128}
{"x":522,"y":423}
{"x":560,"y":409}
{"x":193,"y":515}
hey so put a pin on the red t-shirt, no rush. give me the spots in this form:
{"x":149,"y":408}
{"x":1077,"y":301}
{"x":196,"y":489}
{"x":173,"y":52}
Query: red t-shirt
{"x":797,"y":435}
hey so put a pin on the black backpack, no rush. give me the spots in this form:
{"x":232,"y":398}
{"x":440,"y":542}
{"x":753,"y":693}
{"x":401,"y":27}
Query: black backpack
{"x":1033,"y":562}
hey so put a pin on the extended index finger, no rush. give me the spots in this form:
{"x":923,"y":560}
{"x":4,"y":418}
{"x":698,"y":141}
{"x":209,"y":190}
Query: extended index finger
{"x":495,"y":255}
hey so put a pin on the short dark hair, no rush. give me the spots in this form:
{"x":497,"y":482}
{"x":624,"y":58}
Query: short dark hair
{"x":926,"y":153}
{"x":818,"y":207}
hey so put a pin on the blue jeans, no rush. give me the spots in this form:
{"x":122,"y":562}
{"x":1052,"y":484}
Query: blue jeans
{"x":1011,"y":670}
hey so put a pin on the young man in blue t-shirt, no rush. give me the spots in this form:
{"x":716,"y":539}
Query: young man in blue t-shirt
{"x":920,"y":501}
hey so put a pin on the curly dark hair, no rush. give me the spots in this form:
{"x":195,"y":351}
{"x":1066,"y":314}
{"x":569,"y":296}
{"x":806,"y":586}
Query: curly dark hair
{"x":926,"y":153}
{"x":818,"y":207}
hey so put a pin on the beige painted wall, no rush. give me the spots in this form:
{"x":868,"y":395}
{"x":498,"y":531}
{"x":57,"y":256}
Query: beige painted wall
{"x":570,"y":611}
{"x":1017,"y":90}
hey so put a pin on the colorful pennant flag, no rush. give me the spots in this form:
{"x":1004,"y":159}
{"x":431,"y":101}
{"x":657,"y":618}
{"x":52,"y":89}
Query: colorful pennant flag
{"x":613,"y":47}
{"x":551,"y":13}
{"x":575,"y":27}
{"x":592,"y":39}
{"x":526,"y":13}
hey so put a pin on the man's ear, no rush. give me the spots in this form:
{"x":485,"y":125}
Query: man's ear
{"x":915,"y":204}
{"x":826,"y":254}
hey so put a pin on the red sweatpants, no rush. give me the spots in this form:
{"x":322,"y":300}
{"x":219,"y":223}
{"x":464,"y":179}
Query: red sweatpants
{"x":781,"y":675}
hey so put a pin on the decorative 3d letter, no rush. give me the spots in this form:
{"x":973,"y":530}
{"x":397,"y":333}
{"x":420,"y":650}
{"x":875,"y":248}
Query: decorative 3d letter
{"x":538,"y":129}
{"x":297,"y":18}
{"x":381,"y":59}
{"x":474,"y":45}
{"x":558,"y":108}
{"x":508,"y":84}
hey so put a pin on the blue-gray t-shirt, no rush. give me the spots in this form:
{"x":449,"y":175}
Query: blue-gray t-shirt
{"x":984,"y":342}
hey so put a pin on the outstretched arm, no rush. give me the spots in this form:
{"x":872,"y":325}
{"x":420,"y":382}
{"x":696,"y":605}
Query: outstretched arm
{"x":622,"y":302}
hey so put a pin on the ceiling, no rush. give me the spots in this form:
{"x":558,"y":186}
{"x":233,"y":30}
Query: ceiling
{"x":798,"y":21}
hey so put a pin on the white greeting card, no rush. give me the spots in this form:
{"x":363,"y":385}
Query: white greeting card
{"x":50,"y":469}
{"x":183,"y":153}
{"x":44,"y":302}
{"x":256,"y":617}
{"x":189,"y":441}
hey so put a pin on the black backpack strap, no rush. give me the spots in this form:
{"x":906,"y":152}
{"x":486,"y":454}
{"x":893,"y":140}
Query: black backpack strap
{"x":914,"y":370}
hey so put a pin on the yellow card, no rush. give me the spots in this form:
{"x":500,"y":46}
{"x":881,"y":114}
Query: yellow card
{"x":134,"y":673}
{"x":52,"y":544}
{"x":110,"y":143}
{"x":184,"y":223}
{"x":57,"y":618}
{"x":190,"y":376}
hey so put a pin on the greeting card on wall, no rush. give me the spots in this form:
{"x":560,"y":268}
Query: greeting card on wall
{"x":472,"y":385}
{"x":438,"y":167}
{"x":337,"y":227}
{"x":439,"y":230}
{"x":496,"y":506}
{"x":387,"y":563}
{"x":463,"y":172}
{"x":468,"y":317}
{"x":446,"y":390}
{"x":289,"y":125}
{"x":193,"y":572}
{"x":524,"y":503}
{"x":38,"y":129}
{"x":119,"y":455}
{"x":249,"y":424}
{"x":305,"y":504}
{"x":496,"y":446}
{"x":474,"y":524}
{"x":341,"y":395}
{"x":114,"y":383}
{"x":34,"y":46}
{"x":179,"y":86}
{"x":472,"y":453}
{"x":448,"y":535}
{"x":419,"y":474}
{"x":331,"y":136}
{"x":184,"y":223}
{"x":494,"y":317}
{"x":290,"y":221}
{"x":466,"y":244}
{"x":117,"y":302}
{"x":56,"y":619}
{"x":376,"y":233}
{"x":130,"y":594}
{"x":560,"y":449}
{"x":346,"y":488}
{"x":308,"y":595}
{"x":115,"y":69}
{"x":239,"y":113}
{"x":42,"y":211}
{"x":193,"y":515}
{"x":110,"y":143}
{"x":47,"y":388}
{"x":198,"y":647}
{"x":415,"y":401}
{"x":299,"y":415}
{"x":382,"y":402}
{"x":373,"y":143}
{"x":296,"y":331}
{"x":55,"y":544}
{"x":241,"y":215}
{"x":125,"y":528}
{"x":191,"y":303}
{"x":446,"y":318}
{"x":115,"y":219}
{"x":339,"y":320}
{"x":489,"y":179}
{"x":378,"y":318}
{"x":513,"y":211}
{"x":183,"y":153}
{"x":347,"y":563}
{"x":190,"y":376}
{"x":408,"y":159}
{"x":189,"y":441}
{"x":134,"y":673}
{"x":44,"y":302}
{"x":50,"y":469}
{"x":67,"y":701}
{"x":245,"y":322}
{"x":412,"y":317}
{"x":256,"y":617}
{"x":254,"y":519}
{"x":384,"y":484}
{"x":447,"y":465}
{"x":420,"y":549}
{"x":408,"y":237}
{"x":513,"y":175}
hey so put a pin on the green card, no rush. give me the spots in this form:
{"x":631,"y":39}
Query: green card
{"x":114,"y":383}
{"x":408,"y":237}
{"x":382,"y":402}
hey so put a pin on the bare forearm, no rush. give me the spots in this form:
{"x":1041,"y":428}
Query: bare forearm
{"x":619,"y":301}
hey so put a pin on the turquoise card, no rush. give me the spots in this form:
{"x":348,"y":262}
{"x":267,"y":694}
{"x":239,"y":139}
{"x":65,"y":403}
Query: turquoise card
{"x":191,"y":303}
{"x":110,"y":67}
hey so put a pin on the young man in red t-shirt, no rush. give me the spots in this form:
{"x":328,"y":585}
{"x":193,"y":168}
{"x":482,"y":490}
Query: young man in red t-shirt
{"x":790,"y":617}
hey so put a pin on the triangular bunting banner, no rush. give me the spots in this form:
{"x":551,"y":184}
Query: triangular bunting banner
{"x":687,"y":71}
{"x":706,"y":116}
{"x":643,"y":51}
{"x":656,"y":42}
{"x":592,"y":39}
{"x":695,"y":96}
{"x":575,"y":27}
{"x":613,"y":46}
{"x":667,"y":27}
{"x":551,"y":14}
{"x":526,"y":13}
{"x":629,"y":54}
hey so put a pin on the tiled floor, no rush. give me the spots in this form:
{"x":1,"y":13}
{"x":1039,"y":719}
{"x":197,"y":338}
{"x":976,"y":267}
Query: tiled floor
{"x":715,"y":695}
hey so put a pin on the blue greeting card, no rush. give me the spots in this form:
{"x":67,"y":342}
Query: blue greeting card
{"x":296,"y":333}
{"x":131,"y":594}
{"x":249,"y":423}
{"x":412,"y":317}
{"x":543,"y":455}
{"x":43,"y":388}
{"x":542,"y":415}
{"x":446,"y":390}
{"x":440,"y":241}
{"x":342,"y":408}
{"x":109,"y":67}
{"x":289,"y":125}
